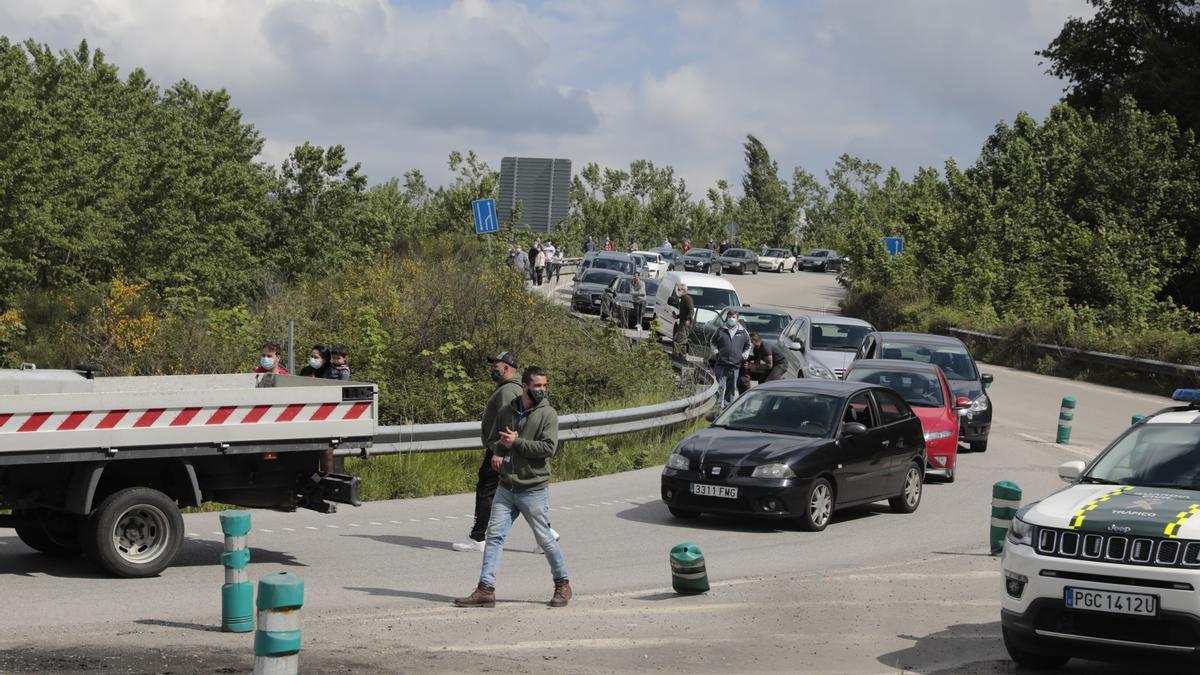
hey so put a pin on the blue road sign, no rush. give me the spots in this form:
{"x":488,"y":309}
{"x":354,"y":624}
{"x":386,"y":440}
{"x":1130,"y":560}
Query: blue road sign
{"x":895,"y":245}
{"x":485,"y":216}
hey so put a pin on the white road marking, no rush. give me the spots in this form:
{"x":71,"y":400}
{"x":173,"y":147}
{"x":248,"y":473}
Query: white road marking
{"x":432,"y":518}
{"x":414,"y":520}
{"x":333,"y":527}
{"x":193,"y":534}
{"x":452,"y":517}
{"x":310,"y":527}
{"x":263,"y":529}
{"x":219,"y":533}
{"x":355,"y":525}
{"x":289,"y":529}
{"x":394,"y":522}
{"x":375,"y":523}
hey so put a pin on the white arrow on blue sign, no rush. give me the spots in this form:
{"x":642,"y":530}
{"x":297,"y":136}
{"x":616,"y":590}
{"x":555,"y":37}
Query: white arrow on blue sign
{"x":895,"y":245}
{"x":485,"y":216}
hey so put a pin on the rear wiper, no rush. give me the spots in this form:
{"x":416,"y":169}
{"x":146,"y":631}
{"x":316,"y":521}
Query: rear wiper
{"x":1098,"y":481}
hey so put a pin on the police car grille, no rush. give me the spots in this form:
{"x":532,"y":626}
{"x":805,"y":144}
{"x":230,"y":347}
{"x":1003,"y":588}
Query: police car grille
{"x":1116,"y":548}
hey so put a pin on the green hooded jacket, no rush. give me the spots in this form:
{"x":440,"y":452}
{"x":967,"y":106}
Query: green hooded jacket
{"x":526,"y":464}
{"x":502,"y":396}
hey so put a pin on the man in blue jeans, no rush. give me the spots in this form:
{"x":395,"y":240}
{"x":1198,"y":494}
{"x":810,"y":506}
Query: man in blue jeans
{"x":733,"y":347}
{"x":528,"y":439}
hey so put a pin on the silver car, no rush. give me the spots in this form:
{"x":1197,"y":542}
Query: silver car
{"x":822,"y":345}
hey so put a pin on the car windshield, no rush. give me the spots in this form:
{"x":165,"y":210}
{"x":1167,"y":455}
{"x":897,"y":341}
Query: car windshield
{"x":782,"y":412}
{"x":955,"y":362}
{"x":700,"y":253}
{"x":623,"y":286}
{"x":599,"y":276}
{"x":651,"y":288}
{"x":834,"y":337}
{"x":613,"y":264}
{"x":817,"y":254}
{"x":737,"y":253}
{"x":759,"y":322}
{"x":1152,"y":455}
{"x":918,"y":389}
{"x":714,"y":299}
{"x":776,"y":253}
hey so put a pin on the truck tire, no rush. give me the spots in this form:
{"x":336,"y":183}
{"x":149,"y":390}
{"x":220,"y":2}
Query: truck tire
{"x":135,"y":532}
{"x":57,"y":534}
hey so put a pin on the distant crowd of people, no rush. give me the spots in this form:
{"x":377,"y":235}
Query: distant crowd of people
{"x":540,"y":264}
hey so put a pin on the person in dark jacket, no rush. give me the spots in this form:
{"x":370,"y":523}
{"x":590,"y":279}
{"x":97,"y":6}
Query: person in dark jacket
{"x":732,"y":343}
{"x":318,"y":363}
{"x":684,"y":316}
{"x":528,"y":439}
{"x":503,"y":372}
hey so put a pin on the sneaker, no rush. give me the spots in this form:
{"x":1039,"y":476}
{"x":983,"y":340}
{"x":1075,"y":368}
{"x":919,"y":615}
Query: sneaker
{"x":467,"y":545}
{"x":554,"y":534}
{"x":486,"y":597}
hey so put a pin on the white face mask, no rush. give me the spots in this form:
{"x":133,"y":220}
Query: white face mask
{"x":267,"y":362}
{"x":314,"y":362}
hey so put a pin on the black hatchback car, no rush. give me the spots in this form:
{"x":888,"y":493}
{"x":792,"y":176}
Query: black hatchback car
{"x":740,"y":260}
{"x":957,"y":364}
{"x":799,"y":450}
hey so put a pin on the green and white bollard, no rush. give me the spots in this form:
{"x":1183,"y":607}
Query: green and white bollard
{"x":1066,"y":415}
{"x":237,"y":595}
{"x":1006,"y":499}
{"x":688,"y":574}
{"x":277,"y":642}
{"x":1136,"y":419}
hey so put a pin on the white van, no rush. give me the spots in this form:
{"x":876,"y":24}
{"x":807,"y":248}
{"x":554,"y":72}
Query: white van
{"x":711,"y":294}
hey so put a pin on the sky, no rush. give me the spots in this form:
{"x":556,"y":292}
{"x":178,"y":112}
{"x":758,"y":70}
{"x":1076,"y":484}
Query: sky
{"x":904,"y":83}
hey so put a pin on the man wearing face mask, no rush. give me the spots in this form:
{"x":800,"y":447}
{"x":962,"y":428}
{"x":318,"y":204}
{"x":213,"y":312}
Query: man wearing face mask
{"x":268,"y":362}
{"x":732,"y":343}
{"x":528,"y":439}
{"x":503,"y":372}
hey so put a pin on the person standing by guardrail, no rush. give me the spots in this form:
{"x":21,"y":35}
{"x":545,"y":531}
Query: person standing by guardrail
{"x":637,"y":293}
{"x":733,"y":347}
{"x":528,"y":439}
{"x":685,"y":313}
{"x":503,"y":372}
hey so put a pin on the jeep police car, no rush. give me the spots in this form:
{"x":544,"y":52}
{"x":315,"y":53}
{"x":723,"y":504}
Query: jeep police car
{"x":1110,"y":566}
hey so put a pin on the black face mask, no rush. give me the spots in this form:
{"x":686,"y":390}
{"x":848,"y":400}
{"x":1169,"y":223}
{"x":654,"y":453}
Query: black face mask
{"x":537,"y":395}
{"x":495,"y":375}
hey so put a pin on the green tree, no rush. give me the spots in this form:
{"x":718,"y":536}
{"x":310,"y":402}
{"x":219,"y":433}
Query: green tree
{"x":768,"y":214}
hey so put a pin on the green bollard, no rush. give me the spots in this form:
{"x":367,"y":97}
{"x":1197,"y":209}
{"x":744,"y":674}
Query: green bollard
{"x":277,"y":642}
{"x":1066,"y":414}
{"x":237,"y":594}
{"x":687,"y":569}
{"x":1136,"y":419}
{"x":1006,"y":499}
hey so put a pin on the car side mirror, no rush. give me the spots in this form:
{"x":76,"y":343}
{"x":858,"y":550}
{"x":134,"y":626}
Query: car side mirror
{"x":987,"y":380}
{"x":711,"y":415}
{"x":1071,"y":471}
{"x":962,"y":403}
{"x":853,"y":429}
{"x":796,"y":345}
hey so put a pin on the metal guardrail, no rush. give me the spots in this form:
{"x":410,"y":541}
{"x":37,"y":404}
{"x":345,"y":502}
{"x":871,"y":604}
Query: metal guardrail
{"x":1102,"y":358}
{"x":407,"y":438}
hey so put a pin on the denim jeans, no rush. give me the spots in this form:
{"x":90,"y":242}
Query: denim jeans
{"x":727,"y":377}
{"x":506,"y":506}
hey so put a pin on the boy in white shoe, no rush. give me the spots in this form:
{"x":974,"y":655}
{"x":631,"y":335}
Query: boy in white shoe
{"x":508,"y":388}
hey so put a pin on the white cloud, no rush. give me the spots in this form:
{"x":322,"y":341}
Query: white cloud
{"x":400,"y":85}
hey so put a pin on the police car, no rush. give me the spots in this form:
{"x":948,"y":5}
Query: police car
{"x":1110,"y":566}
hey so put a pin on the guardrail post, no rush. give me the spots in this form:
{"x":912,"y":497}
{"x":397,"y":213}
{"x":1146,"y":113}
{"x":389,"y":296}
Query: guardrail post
{"x":237,"y":594}
{"x":1006,"y":499}
{"x":277,"y":642}
{"x":1066,"y":415}
{"x":688,"y":574}
{"x":1136,"y":419}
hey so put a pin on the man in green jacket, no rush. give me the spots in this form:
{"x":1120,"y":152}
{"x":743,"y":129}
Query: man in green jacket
{"x":508,"y":388}
{"x":528,"y":439}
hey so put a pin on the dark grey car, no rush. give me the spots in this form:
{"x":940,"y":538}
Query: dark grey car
{"x":699,"y":260}
{"x":821,"y":260}
{"x":617,"y":302}
{"x":740,"y":260}
{"x":589,"y":289}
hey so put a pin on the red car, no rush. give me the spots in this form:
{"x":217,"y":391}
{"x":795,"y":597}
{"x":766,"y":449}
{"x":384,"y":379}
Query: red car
{"x":923,"y":386}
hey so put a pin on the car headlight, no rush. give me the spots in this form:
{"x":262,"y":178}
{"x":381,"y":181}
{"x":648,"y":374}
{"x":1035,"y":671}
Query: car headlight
{"x":979,"y":405}
{"x":678,"y":462}
{"x":1021,"y":532}
{"x":815,"y":369}
{"x":938,"y":435}
{"x":773,"y":471}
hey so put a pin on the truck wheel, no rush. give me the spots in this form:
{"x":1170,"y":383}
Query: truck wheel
{"x":817,"y":508}
{"x":135,"y":532}
{"x":910,"y":497}
{"x":56,"y":534}
{"x":1034,"y":660}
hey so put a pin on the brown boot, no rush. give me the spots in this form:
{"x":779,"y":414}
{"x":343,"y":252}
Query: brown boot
{"x":562,"y":593}
{"x":482,"y":597}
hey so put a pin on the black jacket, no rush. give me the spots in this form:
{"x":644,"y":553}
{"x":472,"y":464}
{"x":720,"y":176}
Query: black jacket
{"x":731,"y":349}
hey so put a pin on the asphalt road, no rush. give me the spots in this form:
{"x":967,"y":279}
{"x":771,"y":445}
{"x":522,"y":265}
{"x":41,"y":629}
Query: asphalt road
{"x":876,"y":592}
